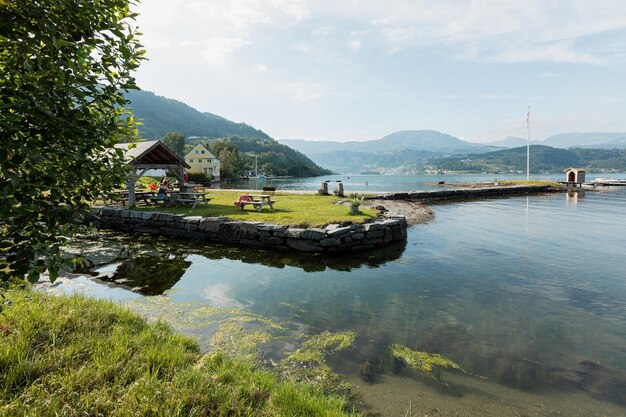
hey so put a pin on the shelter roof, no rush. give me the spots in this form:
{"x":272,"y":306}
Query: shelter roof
{"x":576,"y":169}
{"x":153,"y":152}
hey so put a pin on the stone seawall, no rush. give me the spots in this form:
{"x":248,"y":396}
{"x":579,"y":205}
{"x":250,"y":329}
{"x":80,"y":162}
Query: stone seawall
{"x":464,"y":194}
{"x":332,"y":238}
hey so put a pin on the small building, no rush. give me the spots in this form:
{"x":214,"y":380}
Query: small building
{"x":575,"y":175}
{"x":150,"y":155}
{"x":201,"y":160}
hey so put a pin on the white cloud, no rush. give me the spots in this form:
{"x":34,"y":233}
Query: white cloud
{"x":354,"y":45}
{"x":303,"y":92}
{"x":260,"y":68}
{"x":217,"y":51}
{"x":225,"y":25}
{"x":494,"y":30}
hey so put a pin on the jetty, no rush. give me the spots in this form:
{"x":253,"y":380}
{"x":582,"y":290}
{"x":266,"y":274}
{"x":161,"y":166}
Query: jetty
{"x":464,"y":194}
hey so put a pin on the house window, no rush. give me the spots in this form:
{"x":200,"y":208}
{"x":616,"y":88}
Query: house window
{"x":199,"y":161}
{"x":191,"y":161}
{"x":205,"y":170}
{"x":197,"y":152}
{"x":202,"y":152}
{"x":208,"y":160}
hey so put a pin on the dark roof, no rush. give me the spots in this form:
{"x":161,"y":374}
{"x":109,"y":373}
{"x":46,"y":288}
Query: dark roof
{"x":153,"y":152}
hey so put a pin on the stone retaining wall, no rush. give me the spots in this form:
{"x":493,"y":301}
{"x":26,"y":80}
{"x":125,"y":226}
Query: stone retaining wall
{"x":332,"y":238}
{"x":464,"y":194}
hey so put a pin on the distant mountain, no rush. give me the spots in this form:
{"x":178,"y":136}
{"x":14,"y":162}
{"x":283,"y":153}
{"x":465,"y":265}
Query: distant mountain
{"x":542,"y":159}
{"x":509,"y":142}
{"x":160,"y":115}
{"x":421,"y":140}
{"x":605,"y":140}
{"x":347,"y":162}
{"x":409,"y":147}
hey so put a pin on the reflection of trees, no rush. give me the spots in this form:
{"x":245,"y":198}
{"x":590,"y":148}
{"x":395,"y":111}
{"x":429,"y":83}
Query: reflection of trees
{"x":150,"y":275}
{"x":155,"y":264}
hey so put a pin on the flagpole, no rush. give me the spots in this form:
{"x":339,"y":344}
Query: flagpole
{"x":528,"y":145}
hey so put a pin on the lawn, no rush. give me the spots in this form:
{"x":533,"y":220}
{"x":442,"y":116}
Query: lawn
{"x":304,"y":210}
{"x":71,"y":356}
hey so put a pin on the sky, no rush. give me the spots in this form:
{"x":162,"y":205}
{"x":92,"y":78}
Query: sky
{"x":362,"y":69}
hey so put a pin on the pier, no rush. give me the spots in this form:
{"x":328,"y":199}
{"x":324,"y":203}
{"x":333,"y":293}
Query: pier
{"x":465,"y":193}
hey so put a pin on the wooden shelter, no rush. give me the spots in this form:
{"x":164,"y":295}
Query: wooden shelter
{"x":575,"y":175}
{"x":151,"y":155}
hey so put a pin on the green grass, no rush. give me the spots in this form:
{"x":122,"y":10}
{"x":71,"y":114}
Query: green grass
{"x":73,"y":356}
{"x":529,"y":183}
{"x":305,"y":210}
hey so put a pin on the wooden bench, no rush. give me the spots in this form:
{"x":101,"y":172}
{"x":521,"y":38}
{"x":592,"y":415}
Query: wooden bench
{"x":165,"y":199}
{"x":257,"y":204}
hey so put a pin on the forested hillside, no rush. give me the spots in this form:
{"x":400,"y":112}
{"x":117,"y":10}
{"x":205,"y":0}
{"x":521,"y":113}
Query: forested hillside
{"x":160,"y":115}
{"x":271,"y":157}
{"x":542,"y":159}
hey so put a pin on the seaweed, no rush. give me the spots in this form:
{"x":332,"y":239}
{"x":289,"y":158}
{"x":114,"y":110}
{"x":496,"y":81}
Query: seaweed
{"x":429,"y":363}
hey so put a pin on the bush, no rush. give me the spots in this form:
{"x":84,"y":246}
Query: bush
{"x":200,"y":178}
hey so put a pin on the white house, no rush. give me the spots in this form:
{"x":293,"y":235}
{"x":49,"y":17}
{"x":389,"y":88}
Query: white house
{"x":201,"y":160}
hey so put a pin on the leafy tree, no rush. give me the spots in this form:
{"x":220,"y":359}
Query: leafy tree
{"x":176,"y":142}
{"x":63,"y":68}
{"x":266,"y":168}
{"x":228,"y":154}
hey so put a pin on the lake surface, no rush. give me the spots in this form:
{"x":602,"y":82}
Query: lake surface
{"x":526,"y":294}
{"x":378,"y":183}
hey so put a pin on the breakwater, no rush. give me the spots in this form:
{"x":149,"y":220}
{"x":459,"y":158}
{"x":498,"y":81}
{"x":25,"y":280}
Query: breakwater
{"x":464,"y":194}
{"x":330,"y":239}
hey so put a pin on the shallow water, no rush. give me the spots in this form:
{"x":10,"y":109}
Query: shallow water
{"x":529,"y":293}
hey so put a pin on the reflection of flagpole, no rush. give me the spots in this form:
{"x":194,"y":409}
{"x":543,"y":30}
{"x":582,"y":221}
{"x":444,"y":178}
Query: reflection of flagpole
{"x":528,"y":145}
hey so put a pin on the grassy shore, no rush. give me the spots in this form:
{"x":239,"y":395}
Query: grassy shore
{"x":73,"y":356}
{"x":305,"y":210}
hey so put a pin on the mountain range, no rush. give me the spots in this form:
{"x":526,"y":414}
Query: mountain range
{"x":414,"y":147}
{"x":409,"y":148}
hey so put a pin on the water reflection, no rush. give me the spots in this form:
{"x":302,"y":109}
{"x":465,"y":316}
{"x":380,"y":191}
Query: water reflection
{"x":528,"y":292}
{"x":149,"y":275}
{"x":152,"y":265}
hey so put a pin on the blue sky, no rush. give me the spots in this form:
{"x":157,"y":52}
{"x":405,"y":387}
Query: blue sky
{"x":357,"y":70}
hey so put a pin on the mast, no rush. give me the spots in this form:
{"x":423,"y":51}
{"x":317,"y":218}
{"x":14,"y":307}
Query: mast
{"x":528,"y":145}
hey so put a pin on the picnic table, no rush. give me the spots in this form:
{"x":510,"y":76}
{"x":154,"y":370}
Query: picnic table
{"x":256,"y":200}
{"x":189,"y":197}
{"x":121,"y":196}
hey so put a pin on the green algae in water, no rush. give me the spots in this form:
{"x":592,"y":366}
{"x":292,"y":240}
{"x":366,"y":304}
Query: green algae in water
{"x":235,"y":341}
{"x":429,"y":363}
{"x":309,"y":362}
{"x":227,"y":330}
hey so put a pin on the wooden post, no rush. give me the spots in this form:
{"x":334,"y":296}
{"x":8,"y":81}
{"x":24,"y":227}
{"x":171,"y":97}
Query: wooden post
{"x":131,"y":189}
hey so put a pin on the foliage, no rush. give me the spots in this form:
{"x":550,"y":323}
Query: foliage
{"x":160,"y":115}
{"x":228,"y":154}
{"x":304,"y":210}
{"x":602,"y":159}
{"x":430,"y":363}
{"x":72,"y":356}
{"x":271,"y":156}
{"x":176,"y":142}
{"x":355,"y":200}
{"x":200,"y":178}
{"x":63,"y":65}
{"x":542,"y":159}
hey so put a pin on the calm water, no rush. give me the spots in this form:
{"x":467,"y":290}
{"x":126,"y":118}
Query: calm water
{"x":527,"y":292}
{"x":375,"y":183}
